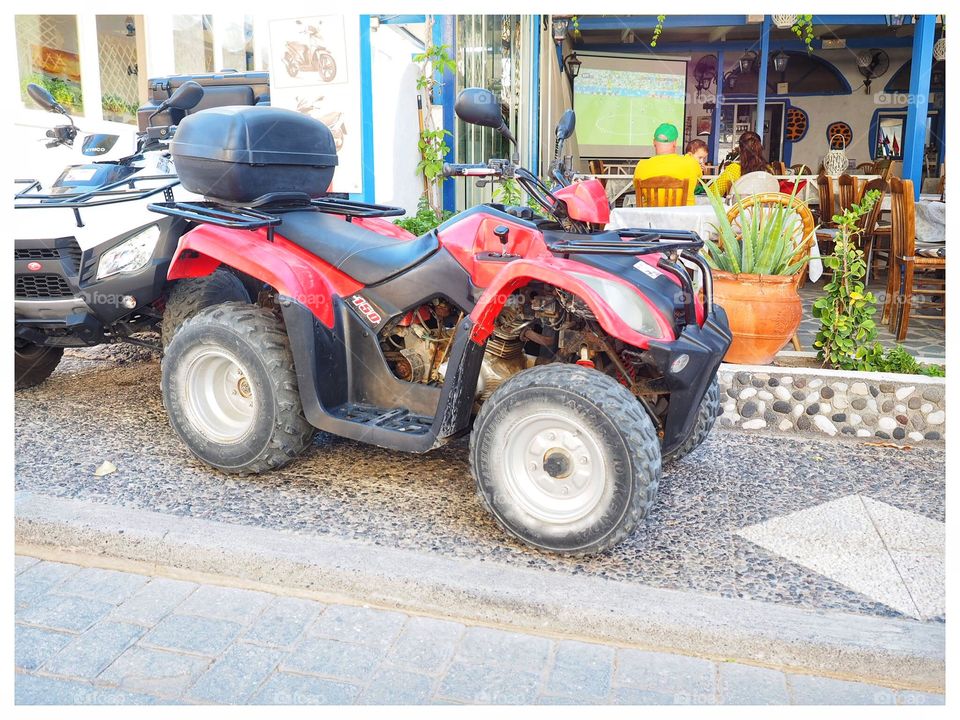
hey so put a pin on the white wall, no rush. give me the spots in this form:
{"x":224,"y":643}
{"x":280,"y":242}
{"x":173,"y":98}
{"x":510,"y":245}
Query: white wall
{"x":855,"y":109}
{"x":395,"y":125}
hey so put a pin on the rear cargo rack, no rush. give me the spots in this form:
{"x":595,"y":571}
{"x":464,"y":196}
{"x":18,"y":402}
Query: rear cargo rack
{"x":127,"y":190}
{"x":267,"y":212}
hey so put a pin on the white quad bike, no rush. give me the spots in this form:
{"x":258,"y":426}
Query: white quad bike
{"x":90,"y":261}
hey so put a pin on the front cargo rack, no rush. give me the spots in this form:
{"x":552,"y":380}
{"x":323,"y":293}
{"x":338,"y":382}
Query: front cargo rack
{"x":128,"y":189}
{"x":673,"y":245}
{"x":267,"y":212}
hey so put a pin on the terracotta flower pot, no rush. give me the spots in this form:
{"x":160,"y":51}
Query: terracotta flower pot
{"x":764,"y":312}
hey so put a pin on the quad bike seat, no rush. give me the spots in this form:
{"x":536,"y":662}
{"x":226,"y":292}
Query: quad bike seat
{"x":364,"y":255}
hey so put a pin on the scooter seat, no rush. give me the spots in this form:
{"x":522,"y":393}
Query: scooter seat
{"x":364,"y":255}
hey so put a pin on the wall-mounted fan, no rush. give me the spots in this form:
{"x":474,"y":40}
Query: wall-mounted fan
{"x":705,"y":73}
{"x":872,"y":64}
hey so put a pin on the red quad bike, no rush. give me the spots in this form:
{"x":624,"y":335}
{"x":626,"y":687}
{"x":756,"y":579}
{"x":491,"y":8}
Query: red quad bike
{"x":578,"y":359}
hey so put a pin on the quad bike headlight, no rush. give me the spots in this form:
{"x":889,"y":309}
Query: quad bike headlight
{"x":626,"y":303}
{"x":131,"y":255}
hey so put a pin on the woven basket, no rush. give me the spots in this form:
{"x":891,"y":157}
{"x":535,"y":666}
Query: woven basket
{"x":835,"y":161}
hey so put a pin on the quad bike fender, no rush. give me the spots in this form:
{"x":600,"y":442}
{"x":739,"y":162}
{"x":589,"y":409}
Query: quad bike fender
{"x":291,"y":270}
{"x":559,"y":272}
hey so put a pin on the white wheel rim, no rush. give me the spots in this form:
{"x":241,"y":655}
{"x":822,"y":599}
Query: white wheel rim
{"x":219,"y":399}
{"x":555,"y":470}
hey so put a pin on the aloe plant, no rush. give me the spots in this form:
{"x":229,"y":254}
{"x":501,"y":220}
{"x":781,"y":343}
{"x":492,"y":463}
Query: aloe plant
{"x":763,"y":246}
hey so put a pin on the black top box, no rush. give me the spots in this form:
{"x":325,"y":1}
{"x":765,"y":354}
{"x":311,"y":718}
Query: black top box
{"x":238,"y":155}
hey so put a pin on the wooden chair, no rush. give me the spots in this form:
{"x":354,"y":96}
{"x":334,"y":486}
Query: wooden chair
{"x":803,"y":236}
{"x":848,"y":194}
{"x":877,"y":245}
{"x":870,"y":223}
{"x":598,"y":167}
{"x":909,"y":272}
{"x":800,"y":169}
{"x":825,"y":188}
{"x":867,"y":168}
{"x":661,"y":191}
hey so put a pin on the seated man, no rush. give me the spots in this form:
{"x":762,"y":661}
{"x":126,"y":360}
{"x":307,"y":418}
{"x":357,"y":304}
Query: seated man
{"x":667,"y":162}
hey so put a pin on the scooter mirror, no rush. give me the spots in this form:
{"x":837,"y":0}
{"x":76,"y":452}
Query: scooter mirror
{"x":566,"y":126}
{"x":186,"y":96}
{"x":42,"y":97}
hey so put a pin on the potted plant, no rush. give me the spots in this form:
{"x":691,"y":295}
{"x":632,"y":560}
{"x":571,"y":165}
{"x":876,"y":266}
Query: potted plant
{"x":754,"y":275}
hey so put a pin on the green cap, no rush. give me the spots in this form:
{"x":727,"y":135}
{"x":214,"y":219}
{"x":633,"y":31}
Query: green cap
{"x":665,"y":132}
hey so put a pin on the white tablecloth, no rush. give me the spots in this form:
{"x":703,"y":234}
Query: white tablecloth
{"x":931,"y":221}
{"x":698,"y":218}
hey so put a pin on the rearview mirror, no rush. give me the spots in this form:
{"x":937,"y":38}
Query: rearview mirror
{"x":566,"y":126}
{"x":186,"y":96}
{"x":42,"y":97}
{"x":478,"y":106}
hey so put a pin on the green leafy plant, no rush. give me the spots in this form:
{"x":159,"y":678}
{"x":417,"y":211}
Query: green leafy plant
{"x":765,"y":244}
{"x":575,"y":25}
{"x":803,"y":28}
{"x":425,"y":220}
{"x":433,"y":148}
{"x":116,"y":105}
{"x":657,"y":30}
{"x":434,"y":61}
{"x":508,"y":192}
{"x":847,"y":336}
{"x":847,"y":329}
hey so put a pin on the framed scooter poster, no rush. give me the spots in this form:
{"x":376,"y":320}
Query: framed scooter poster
{"x":314,"y":69}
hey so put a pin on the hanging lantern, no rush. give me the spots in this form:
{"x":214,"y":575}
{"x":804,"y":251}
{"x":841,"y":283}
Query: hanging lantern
{"x":780,"y":61}
{"x":571,"y":64}
{"x":746,"y":61}
{"x":940,"y":49}
{"x":783,"y":21}
{"x":895,"y":20}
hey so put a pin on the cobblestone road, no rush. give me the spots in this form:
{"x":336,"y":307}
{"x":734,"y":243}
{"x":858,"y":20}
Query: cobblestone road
{"x":95,"y":636}
{"x":94,"y":410}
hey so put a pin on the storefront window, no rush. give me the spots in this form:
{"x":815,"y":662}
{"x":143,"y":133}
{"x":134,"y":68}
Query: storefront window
{"x":48,"y":54}
{"x":237,"y":41}
{"x":488,"y":55}
{"x":193,"y":44}
{"x":120,"y":66}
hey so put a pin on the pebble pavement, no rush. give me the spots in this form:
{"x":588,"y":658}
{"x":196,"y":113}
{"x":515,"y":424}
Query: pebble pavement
{"x":95,"y":409}
{"x":96,"y":636}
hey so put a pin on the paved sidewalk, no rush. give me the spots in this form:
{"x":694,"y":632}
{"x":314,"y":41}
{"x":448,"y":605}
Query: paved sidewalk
{"x":95,"y":636}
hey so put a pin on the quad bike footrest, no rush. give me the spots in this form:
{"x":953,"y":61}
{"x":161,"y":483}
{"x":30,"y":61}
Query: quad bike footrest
{"x":398,"y":419}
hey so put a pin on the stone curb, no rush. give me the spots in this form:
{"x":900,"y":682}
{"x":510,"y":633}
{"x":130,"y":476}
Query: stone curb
{"x":893,"y":652}
{"x":887,"y":407}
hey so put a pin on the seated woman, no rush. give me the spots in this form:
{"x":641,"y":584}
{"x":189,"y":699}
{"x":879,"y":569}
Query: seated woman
{"x":751,"y":159}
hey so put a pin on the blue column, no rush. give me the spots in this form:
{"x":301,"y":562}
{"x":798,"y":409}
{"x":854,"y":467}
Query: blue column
{"x":448,"y":34}
{"x":919,"y":99}
{"x":762,"y":77}
{"x":714,"y":149}
{"x":534,"y":111}
{"x":366,"y":112}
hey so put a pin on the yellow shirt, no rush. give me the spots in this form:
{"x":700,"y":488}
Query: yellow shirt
{"x":684,"y":167}
{"x":726,"y":179}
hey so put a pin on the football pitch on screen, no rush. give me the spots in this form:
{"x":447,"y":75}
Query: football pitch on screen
{"x":624,"y":120}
